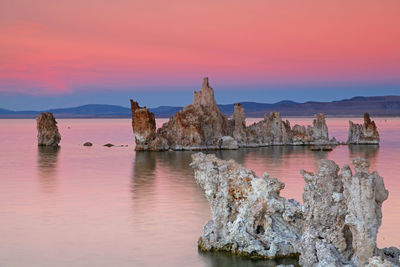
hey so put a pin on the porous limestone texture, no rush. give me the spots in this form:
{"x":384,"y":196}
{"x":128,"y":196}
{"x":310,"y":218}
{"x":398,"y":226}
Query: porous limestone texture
{"x":342,"y":213}
{"x":248,"y":214}
{"x":365,"y":134}
{"x":48,"y":134}
{"x":201,"y":125}
{"x":337,"y":224}
{"x":379,"y":262}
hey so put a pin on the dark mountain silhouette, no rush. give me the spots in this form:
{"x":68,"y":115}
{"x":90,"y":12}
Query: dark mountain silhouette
{"x":356,"y":106}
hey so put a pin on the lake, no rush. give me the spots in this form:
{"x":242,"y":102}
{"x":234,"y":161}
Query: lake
{"x":100,"y":206}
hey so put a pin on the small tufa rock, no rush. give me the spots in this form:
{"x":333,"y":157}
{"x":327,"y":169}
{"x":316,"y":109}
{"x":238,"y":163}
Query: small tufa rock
{"x":48,"y":134}
{"x":88,"y":144}
{"x":364,"y":134}
{"x":144,"y":126}
{"x":109,"y":145}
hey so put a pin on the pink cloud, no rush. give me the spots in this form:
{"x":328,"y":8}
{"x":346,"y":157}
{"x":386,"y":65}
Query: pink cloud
{"x":54,"y":47}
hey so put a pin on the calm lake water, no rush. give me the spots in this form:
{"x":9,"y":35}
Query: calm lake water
{"x":100,"y":206}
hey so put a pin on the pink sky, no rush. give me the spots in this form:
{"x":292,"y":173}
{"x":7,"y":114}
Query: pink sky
{"x":49,"y":46}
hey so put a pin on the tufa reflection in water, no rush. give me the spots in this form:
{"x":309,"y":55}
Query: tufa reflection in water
{"x":223,"y":259}
{"x":47,"y":167}
{"x":369,"y":152}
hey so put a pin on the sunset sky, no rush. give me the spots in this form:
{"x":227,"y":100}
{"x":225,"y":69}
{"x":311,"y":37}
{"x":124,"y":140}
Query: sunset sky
{"x":68,"y":53}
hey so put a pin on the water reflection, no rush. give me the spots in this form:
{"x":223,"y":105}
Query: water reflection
{"x":216,"y":259}
{"x":143,"y":170}
{"x":369,"y":152}
{"x":164,"y":191}
{"x":47,"y":167}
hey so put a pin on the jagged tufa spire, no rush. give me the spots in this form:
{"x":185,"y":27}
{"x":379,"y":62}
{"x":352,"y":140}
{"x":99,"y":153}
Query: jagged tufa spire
{"x":204,"y":97}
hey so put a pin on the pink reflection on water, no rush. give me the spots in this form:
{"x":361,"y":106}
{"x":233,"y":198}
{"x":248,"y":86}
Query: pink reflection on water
{"x":113,"y":206}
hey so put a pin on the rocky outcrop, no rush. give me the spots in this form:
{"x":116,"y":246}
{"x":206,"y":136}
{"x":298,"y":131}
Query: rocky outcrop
{"x":239,"y":124}
{"x":319,"y":130}
{"x":144,"y":126}
{"x":48,"y":134}
{"x":248,"y":214}
{"x":364,"y":134}
{"x":337,"y":224}
{"x":201,"y":125}
{"x":342,"y":214}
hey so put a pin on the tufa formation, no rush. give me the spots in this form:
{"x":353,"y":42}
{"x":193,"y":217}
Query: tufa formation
{"x":365,"y":134}
{"x":201,"y":125}
{"x":337,"y":224}
{"x":48,"y":134}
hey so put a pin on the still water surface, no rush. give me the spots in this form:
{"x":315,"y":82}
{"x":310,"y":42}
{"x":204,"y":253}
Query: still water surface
{"x":100,"y":206}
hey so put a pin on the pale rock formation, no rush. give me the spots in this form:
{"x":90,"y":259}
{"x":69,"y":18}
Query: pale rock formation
{"x":336,"y":226}
{"x":239,"y":124}
{"x":48,"y":134}
{"x":319,"y":130}
{"x":300,"y":136}
{"x":249,"y":216}
{"x":342,"y":213}
{"x":391,"y":254}
{"x":205,"y":97}
{"x":324,"y":213}
{"x":227,"y":142}
{"x":364,"y":134}
{"x":379,"y":262}
{"x":270,"y":131}
{"x":201,"y":125}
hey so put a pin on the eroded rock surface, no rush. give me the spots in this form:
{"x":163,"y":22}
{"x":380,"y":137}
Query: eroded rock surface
{"x":336,"y":226}
{"x":48,"y":134}
{"x":249,"y":215}
{"x":343,"y":214}
{"x":144,"y":126}
{"x":364,"y":134}
{"x":201,"y":125}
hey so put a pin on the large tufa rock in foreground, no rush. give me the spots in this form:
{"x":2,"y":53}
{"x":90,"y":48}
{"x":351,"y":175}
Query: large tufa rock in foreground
{"x":336,"y":226}
{"x":342,"y":214}
{"x":365,"y":134}
{"x":201,"y":125}
{"x":249,"y":215}
{"x":48,"y":134}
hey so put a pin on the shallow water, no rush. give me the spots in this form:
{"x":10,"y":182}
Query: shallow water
{"x":100,"y":206}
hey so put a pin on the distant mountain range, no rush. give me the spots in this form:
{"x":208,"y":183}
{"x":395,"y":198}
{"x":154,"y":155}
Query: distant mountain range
{"x":356,"y":106}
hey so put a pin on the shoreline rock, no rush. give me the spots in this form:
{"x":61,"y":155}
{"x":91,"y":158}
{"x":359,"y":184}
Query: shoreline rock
{"x":202,"y":126}
{"x":337,"y":224}
{"x":48,"y":134}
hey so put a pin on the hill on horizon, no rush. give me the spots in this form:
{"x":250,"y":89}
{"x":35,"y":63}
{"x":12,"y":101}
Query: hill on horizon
{"x":356,"y":106}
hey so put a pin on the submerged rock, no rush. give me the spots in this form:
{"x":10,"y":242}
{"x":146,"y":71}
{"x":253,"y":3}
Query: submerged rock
{"x":336,"y":226}
{"x":48,"y":134}
{"x":201,"y":125}
{"x":364,"y":134}
{"x":109,"y":145}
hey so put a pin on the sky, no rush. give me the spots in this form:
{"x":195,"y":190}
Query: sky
{"x":69,"y":53}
